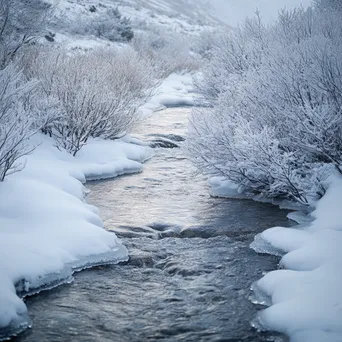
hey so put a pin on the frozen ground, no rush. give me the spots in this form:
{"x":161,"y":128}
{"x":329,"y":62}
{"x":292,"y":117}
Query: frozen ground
{"x":305,"y":296}
{"x":48,"y":231}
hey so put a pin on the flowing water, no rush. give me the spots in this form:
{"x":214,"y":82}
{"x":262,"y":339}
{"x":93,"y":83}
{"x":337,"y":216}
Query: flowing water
{"x":190,"y":267}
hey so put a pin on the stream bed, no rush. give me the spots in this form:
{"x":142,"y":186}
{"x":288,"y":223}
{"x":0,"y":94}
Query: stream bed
{"x":190,"y":267}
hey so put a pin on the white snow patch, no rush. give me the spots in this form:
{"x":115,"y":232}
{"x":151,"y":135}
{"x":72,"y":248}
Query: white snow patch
{"x":177,"y":90}
{"x":221,"y":187}
{"x":306,"y":296}
{"x":47,"y":229}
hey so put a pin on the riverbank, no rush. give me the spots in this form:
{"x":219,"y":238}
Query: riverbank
{"x":305,"y":297}
{"x":48,"y":231}
{"x":190,"y":264}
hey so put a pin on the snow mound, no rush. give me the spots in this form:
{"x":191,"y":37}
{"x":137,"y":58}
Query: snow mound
{"x":221,"y":187}
{"x":177,"y":90}
{"x":48,"y":231}
{"x":306,"y":296}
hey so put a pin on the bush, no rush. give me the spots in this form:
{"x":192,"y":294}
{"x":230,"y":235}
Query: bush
{"x":16,"y":120}
{"x":105,"y":25}
{"x":167,"y":53}
{"x":21,"y":23}
{"x":96,"y":94}
{"x":275,"y":127}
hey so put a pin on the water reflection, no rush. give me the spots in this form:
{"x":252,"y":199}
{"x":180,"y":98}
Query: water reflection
{"x":193,"y":288}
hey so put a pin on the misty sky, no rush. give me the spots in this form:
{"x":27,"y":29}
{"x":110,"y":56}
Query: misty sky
{"x":233,"y":11}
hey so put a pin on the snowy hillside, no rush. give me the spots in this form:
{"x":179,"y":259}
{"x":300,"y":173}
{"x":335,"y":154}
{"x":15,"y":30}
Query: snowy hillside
{"x":184,"y":15}
{"x":181,"y":16}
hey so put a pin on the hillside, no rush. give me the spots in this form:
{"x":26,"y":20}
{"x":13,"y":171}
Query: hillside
{"x":72,"y":18}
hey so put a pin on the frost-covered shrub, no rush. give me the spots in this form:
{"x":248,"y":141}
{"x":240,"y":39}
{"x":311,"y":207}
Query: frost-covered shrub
{"x":204,"y":43}
{"x":234,"y":52}
{"x":275,"y":126}
{"x":16,"y":119}
{"x":21,"y":22}
{"x":95,"y":94}
{"x":167,"y":53}
{"x":109,"y":24}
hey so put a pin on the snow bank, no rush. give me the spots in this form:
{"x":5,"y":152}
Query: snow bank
{"x":47,"y":229}
{"x":175,"y":91}
{"x":306,"y":296}
{"x":221,"y":187}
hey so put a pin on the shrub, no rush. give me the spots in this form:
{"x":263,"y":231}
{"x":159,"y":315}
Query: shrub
{"x":168,"y":53}
{"x":21,"y":23}
{"x":96,"y":94}
{"x":108,"y":25}
{"x":16,"y":120}
{"x":275,"y":126}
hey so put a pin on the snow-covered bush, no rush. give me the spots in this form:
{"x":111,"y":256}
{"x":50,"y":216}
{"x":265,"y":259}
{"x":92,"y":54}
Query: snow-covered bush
{"x":21,"y":23}
{"x":275,"y":126}
{"x":95,"y":94}
{"x":204,"y":43}
{"x":109,"y":24}
{"x":16,"y":119}
{"x":167,"y":52}
{"x":234,"y":52}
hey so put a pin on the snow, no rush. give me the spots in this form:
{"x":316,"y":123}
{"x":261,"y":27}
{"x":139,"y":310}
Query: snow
{"x":221,"y":187}
{"x":306,"y":295}
{"x":48,"y":231}
{"x":177,"y":90}
{"x":225,"y":188}
{"x":185,"y":17}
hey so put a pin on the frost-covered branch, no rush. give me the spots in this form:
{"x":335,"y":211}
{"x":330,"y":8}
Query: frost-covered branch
{"x":21,"y":23}
{"x":275,"y":127}
{"x":16,"y":122}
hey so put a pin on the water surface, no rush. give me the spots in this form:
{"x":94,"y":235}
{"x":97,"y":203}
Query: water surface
{"x":191,"y":267}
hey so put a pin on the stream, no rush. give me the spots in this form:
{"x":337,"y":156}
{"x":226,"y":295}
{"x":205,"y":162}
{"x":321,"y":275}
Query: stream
{"x":190,"y":267}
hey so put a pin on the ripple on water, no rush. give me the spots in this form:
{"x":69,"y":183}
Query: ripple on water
{"x":170,"y":289}
{"x":190,"y":268}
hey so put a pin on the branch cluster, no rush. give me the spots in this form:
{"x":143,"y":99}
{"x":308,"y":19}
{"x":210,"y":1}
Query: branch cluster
{"x":274,"y":125}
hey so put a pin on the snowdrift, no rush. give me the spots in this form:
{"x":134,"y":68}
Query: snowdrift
{"x":48,"y":231}
{"x":305,"y":296}
{"x":177,"y":90}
